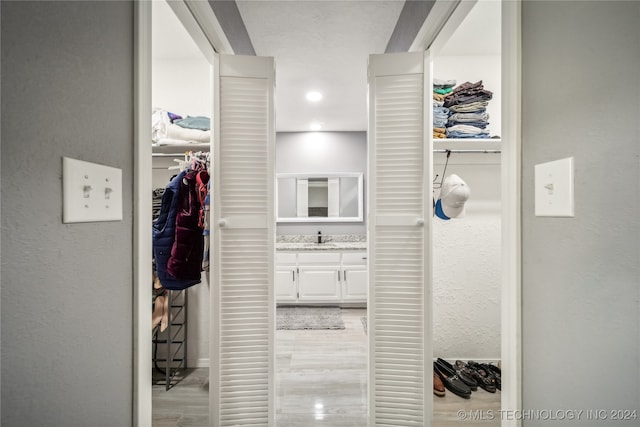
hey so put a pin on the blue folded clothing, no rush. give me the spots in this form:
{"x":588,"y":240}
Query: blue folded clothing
{"x":194,"y":122}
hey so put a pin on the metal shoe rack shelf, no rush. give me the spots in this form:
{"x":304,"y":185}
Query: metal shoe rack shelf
{"x":170,"y":345}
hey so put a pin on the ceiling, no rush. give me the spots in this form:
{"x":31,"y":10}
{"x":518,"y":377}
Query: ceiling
{"x":323,"y":45}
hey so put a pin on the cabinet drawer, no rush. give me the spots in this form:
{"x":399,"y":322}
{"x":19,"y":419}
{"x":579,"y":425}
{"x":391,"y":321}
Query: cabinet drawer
{"x":306,"y":258}
{"x":285,"y":258}
{"x":354,"y":258}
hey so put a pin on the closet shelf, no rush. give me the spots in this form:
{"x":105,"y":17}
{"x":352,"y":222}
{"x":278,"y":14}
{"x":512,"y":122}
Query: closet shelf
{"x":174,"y":149}
{"x":467,"y":144}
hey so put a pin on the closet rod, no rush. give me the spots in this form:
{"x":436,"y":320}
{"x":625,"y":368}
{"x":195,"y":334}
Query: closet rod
{"x":167,"y":154}
{"x":468,"y":151}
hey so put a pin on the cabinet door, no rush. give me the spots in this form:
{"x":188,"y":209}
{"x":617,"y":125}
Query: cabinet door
{"x":286,"y":289}
{"x":355,"y":283}
{"x":319,"y":284}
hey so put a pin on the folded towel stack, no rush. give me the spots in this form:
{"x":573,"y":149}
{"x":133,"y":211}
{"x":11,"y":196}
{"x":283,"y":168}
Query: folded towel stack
{"x":170,"y":129}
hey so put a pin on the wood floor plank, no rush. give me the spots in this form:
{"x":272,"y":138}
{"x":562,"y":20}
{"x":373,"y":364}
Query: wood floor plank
{"x":321,"y":380}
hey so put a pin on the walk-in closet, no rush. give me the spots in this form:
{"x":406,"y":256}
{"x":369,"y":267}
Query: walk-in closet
{"x":466,"y":226}
{"x":181,"y":167}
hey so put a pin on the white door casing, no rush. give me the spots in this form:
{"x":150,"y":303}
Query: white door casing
{"x":511,"y":396}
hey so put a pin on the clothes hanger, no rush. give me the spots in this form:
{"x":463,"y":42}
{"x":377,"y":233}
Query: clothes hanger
{"x":439,"y":184}
{"x":444,"y":171}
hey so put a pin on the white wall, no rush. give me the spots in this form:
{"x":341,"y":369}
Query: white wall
{"x":466,"y":264}
{"x":474,"y":68}
{"x":321,"y":152}
{"x":182,"y":86}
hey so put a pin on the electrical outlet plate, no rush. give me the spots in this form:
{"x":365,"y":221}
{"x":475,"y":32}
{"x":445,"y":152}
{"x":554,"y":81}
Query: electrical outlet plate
{"x":90,"y":192}
{"x":554,"y":188}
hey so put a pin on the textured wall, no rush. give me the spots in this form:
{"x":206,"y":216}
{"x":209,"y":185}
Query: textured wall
{"x":581,"y":276}
{"x":67,"y":80}
{"x":322,"y":152}
{"x":467,"y":264}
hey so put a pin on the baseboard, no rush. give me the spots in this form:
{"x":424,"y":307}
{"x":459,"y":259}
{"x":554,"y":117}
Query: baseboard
{"x":466,"y":359}
{"x":202,"y":362}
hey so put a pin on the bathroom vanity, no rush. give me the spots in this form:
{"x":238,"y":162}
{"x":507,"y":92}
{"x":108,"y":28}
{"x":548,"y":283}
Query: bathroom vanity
{"x":334,"y":272}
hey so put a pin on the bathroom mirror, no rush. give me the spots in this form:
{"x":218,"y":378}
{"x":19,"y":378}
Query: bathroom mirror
{"x":319,"y":197}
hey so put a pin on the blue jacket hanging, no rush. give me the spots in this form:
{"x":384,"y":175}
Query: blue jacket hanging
{"x":164,"y":231}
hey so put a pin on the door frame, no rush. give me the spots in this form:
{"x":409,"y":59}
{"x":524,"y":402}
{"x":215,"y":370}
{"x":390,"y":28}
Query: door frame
{"x":203,"y":26}
{"x":442,"y":22}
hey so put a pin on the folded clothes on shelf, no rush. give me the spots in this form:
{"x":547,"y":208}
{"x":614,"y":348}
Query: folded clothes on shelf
{"x":472,"y":107}
{"x":466,"y":131}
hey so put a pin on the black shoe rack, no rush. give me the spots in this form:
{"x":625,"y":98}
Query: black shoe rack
{"x":170,"y":346}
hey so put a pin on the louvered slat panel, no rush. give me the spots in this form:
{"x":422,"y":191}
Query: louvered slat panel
{"x":399,"y":144}
{"x":397,"y":258}
{"x":244,"y":252}
{"x":244,"y":126}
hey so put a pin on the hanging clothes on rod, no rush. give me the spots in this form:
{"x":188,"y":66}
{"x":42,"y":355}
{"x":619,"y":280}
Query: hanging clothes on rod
{"x":178,"y":240}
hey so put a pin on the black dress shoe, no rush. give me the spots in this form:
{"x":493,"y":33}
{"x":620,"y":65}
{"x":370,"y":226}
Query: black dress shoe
{"x":485,"y":379}
{"x":466,"y":378}
{"x":452,"y":382}
{"x":496,"y":372}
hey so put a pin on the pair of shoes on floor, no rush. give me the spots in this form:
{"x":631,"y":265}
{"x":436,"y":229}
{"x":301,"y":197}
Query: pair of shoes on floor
{"x":496,"y":372}
{"x":451,"y":380}
{"x":464,"y":374}
{"x":486,"y":375}
{"x":438,"y":386}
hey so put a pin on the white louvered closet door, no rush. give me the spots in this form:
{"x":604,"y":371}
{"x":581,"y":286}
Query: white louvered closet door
{"x":399,"y":233}
{"x":242,"y":319}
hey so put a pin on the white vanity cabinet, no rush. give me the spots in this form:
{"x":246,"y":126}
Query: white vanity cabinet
{"x":286,"y":272}
{"x":315,"y":277}
{"x":354,"y":277}
{"x":319,"y":278}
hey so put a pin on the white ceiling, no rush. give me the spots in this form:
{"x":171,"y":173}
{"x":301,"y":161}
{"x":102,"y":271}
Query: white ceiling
{"x":324,"y":46}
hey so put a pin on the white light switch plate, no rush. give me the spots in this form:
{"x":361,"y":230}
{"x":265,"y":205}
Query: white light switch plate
{"x":90,"y":192}
{"x":554,"y":188}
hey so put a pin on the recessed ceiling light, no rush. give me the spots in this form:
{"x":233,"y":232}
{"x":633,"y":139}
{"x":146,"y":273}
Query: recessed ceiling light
{"x":314,"y":96}
{"x":315,"y":126}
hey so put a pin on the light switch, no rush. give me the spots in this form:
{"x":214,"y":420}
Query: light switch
{"x":554,"y":188}
{"x":90,"y":192}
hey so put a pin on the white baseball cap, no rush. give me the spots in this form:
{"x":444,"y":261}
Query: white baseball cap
{"x":453,"y":195}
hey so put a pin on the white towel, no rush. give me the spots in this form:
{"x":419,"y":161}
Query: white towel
{"x":188,"y":135}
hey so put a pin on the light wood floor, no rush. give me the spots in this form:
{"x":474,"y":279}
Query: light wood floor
{"x":321,"y":380}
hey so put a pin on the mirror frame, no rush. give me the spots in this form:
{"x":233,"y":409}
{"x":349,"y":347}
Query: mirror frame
{"x":316,"y":219}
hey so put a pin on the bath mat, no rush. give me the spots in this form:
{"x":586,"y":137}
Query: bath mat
{"x":294,"y":318}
